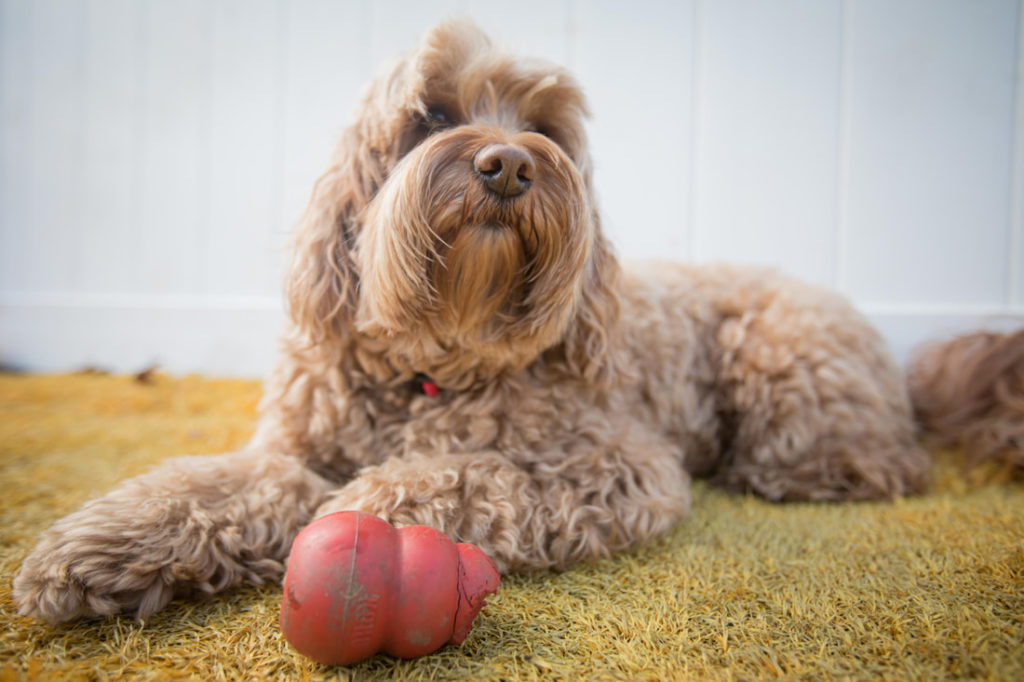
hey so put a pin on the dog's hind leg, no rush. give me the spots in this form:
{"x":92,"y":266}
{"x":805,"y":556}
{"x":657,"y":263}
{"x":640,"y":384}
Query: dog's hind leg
{"x":194,"y":524}
{"x":819,"y":409}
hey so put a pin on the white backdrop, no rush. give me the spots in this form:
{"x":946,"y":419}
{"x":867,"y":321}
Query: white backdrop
{"x":154,"y":154}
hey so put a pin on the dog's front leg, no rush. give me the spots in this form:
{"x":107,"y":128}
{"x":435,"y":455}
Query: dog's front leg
{"x":194,"y":524}
{"x":588,"y":500}
{"x":472,"y":498}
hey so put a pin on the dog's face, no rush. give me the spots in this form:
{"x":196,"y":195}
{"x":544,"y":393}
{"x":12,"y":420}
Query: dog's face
{"x":457,"y":227}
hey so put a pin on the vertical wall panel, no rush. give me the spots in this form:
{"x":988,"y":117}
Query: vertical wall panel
{"x":15,"y":142}
{"x":47,"y":259}
{"x":641,"y":130}
{"x":172,"y":185}
{"x":327,"y":68}
{"x":1017,"y":179}
{"x":245,"y":147}
{"x":930,"y":138}
{"x":110,"y":120}
{"x":767,"y":151}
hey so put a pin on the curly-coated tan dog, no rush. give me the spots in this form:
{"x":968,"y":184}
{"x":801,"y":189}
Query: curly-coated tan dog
{"x":968,"y":393}
{"x":465,"y":351}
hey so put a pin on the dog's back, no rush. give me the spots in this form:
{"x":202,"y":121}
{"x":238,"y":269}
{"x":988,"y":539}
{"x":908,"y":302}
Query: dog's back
{"x":772,"y":384}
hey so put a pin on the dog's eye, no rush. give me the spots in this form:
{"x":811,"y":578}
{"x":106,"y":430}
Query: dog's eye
{"x":436,"y":118}
{"x":425,"y":124}
{"x":542,"y":130}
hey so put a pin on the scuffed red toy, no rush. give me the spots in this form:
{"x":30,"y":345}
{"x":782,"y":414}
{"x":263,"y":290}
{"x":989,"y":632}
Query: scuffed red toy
{"x":357,"y":586}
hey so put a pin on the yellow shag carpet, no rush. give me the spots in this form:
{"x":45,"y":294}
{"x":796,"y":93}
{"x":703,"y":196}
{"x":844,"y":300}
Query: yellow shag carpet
{"x":921,"y":588}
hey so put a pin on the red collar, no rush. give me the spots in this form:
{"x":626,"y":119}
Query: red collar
{"x":427,"y":386}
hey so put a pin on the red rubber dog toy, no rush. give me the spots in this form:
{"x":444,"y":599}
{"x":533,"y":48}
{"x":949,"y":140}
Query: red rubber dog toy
{"x":356,"y":586}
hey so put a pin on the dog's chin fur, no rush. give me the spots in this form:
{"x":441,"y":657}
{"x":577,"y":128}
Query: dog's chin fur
{"x":448,"y":268}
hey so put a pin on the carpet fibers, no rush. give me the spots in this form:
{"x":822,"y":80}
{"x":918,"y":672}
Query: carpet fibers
{"x":921,"y":588}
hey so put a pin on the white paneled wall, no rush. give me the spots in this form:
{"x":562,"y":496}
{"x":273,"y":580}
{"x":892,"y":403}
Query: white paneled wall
{"x":155,"y":153}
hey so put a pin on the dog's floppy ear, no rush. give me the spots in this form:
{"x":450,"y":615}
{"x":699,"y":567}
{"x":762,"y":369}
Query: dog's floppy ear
{"x":321,"y":283}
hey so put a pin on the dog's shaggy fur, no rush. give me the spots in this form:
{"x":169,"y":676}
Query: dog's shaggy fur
{"x":969,"y":393}
{"x":576,"y":398}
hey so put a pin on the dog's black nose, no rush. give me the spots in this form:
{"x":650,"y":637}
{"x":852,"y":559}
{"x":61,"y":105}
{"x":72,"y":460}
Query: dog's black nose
{"x":507,"y":170}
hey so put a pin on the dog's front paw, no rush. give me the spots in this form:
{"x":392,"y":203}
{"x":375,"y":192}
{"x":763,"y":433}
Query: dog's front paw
{"x":376,"y":492}
{"x":68,"y":577}
{"x":127,"y":552}
{"x":413,"y":490}
{"x":351,"y":498}
{"x":195,"y":525}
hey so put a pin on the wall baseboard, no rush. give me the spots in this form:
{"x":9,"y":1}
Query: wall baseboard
{"x":237,"y":335}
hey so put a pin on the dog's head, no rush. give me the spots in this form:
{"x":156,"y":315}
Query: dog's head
{"x":457,"y":225}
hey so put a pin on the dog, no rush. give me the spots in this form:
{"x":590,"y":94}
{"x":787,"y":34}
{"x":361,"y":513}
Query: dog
{"x":968,"y":394}
{"x":464,"y":350}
